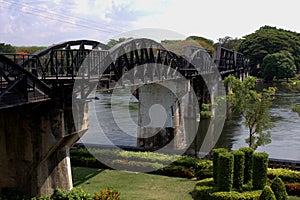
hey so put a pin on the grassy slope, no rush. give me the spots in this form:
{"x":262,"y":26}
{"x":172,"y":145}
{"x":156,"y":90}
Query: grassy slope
{"x":133,"y":185}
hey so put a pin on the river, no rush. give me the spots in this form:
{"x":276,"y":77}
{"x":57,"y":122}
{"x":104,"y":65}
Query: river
{"x":104,"y":128}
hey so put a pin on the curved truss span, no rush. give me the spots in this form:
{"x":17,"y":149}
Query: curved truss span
{"x":63,"y":60}
{"x":137,"y":61}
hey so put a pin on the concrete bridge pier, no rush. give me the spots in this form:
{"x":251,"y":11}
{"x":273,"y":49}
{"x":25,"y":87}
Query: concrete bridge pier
{"x":160,"y":116}
{"x":34,"y":147}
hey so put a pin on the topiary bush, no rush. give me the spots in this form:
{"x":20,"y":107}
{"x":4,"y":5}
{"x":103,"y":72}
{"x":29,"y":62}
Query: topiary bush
{"x":267,"y":194}
{"x":279,"y":190}
{"x":225,"y":172}
{"x":248,"y":164}
{"x":260,"y":170}
{"x":238,"y":169}
{"x":215,"y":154}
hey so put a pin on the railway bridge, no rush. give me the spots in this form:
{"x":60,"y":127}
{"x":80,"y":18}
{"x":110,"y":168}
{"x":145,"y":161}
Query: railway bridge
{"x":44,"y":101}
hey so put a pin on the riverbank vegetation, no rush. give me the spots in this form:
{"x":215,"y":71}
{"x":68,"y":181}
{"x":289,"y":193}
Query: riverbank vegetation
{"x":253,"y":107}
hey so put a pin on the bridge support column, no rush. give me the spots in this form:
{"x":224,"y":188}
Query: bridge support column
{"x":160,"y":117}
{"x":34,"y":148}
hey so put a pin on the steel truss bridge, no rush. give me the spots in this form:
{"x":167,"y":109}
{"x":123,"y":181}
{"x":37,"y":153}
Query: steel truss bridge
{"x":31,"y":78}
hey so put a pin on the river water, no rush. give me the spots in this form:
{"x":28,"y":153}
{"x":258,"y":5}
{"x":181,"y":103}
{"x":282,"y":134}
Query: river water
{"x":105,"y":126}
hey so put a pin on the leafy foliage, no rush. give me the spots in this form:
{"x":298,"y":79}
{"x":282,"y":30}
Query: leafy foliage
{"x":229,"y":43}
{"x":253,"y":106}
{"x":280,"y":65}
{"x":113,"y":42}
{"x":107,"y":194}
{"x":269,"y":40}
{"x":6,"y":48}
{"x":29,"y":49}
{"x":296,"y":108}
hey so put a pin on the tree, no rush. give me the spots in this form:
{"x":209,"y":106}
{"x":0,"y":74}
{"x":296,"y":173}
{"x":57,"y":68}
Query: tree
{"x":229,"y":43}
{"x":253,"y":106}
{"x":6,"y":48}
{"x":113,"y":42}
{"x":269,"y":40}
{"x":279,"y":65}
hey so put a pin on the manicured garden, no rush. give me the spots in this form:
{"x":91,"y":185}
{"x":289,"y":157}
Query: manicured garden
{"x":229,"y":175}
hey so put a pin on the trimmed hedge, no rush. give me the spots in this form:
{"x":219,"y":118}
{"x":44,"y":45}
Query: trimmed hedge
{"x":225,"y":172}
{"x":238,"y":169}
{"x":267,"y":194}
{"x":260,"y":169}
{"x":249,"y":195}
{"x":279,"y":190}
{"x":184,"y":166}
{"x":215,"y":154}
{"x":286,"y":175}
{"x":248,"y":164}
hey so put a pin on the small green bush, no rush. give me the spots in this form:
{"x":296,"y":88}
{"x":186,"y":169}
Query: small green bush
{"x":225,"y":172}
{"x":248,"y":164}
{"x":279,"y":190}
{"x":215,"y":154}
{"x":238,"y":169}
{"x":260,"y":169}
{"x":74,"y":194}
{"x":267,"y":194}
{"x":107,"y":194}
{"x":176,"y":171}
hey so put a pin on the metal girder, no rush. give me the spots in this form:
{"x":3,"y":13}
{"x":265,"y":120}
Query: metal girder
{"x":137,"y":61}
{"x":18,"y":83}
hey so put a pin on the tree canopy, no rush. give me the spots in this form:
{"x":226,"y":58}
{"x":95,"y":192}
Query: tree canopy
{"x":280,"y":65}
{"x":269,"y":40}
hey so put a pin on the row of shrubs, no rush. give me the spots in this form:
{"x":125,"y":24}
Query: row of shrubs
{"x":232,"y":170}
{"x":155,"y":163}
{"x":74,"y":194}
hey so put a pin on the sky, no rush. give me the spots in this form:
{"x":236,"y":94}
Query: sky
{"x":47,"y":22}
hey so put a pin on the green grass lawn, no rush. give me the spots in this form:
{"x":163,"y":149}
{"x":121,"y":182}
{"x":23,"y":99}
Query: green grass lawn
{"x":133,"y":185}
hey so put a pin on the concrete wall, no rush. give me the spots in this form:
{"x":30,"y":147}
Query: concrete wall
{"x":34,"y":148}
